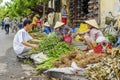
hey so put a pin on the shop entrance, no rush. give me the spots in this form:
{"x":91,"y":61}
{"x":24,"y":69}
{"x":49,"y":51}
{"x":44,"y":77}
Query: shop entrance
{"x":81,"y":10}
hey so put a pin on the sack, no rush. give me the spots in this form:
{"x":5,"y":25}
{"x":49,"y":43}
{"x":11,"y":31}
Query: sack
{"x":38,"y":58}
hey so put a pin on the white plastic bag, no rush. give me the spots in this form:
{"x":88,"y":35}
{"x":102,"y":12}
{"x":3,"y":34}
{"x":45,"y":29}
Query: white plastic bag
{"x":38,"y":57}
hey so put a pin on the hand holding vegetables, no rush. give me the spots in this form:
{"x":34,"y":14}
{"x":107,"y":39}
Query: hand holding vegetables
{"x":35,"y":47}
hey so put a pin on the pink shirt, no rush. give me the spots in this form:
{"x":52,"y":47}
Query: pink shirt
{"x":38,"y":22}
{"x":93,"y":34}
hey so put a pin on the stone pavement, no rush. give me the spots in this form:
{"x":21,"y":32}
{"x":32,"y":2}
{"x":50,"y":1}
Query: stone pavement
{"x":10,"y":68}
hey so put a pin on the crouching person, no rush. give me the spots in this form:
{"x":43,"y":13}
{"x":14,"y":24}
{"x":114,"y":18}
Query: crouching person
{"x":20,"y":43}
{"x":64,"y":31}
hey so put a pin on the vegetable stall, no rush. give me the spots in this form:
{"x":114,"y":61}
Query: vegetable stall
{"x":60,"y":55}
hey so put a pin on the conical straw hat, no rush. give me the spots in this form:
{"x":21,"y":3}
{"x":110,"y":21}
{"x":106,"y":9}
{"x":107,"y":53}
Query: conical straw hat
{"x":46,"y":24}
{"x":58,"y":24}
{"x":93,"y":23}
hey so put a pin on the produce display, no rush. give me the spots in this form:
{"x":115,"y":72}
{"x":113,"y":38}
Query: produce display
{"x":110,"y":37}
{"x":107,"y":69}
{"x":81,"y":58}
{"x":60,"y":49}
{"x":46,"y":64}
{"x":48,"y":43}
{"x":104,"y":66}
{"x":53,"y":47}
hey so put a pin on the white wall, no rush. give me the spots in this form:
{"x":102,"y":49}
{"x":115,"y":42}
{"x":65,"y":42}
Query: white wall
{"x":107,"y":6}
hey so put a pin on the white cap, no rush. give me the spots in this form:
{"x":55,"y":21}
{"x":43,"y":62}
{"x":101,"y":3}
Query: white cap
{"x":46,"y":24}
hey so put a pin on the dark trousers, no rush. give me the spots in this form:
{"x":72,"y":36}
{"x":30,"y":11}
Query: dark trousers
{"x":7,"y":28}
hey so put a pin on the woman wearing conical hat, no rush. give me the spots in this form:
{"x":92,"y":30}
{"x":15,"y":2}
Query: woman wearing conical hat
{"x":93,"y":34}
{"x":63,"y":31}
{"x":58,"y":28}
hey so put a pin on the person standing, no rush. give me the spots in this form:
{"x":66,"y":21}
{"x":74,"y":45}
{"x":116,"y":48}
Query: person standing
{"x":7,"y":24}
{"x":20,"y":25}
{"x":38,"y":23}
{"x":14,"y":25}
{"x":2,"y":22}
{"x":51,"y":18}
{"x":24,"y":18}
{"x":64,"y":15}
{"x":34,"y":21}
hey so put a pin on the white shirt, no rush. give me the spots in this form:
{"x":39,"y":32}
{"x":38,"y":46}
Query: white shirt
{"x":7,"y":20}
{"x":50,"y":18}
{"x":21,"y":36}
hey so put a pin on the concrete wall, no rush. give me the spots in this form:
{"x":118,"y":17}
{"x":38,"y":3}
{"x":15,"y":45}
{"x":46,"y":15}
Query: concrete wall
{"x":107,"y":6}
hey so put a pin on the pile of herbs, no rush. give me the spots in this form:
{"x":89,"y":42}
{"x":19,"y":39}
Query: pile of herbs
{"x":54,"y":54}
{"x":54,"y":48}
{"x":111,"y":38}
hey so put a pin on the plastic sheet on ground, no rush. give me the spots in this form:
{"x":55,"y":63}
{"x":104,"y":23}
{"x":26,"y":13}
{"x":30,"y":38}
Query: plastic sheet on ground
{"x":38,"y":58}
{"x":74,"y":69}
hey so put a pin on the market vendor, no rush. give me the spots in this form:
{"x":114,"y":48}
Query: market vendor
{"x":47,"y":28}
{"x":21,"y":45}
{"x":79,"y":35}
{"x":92,"y":35}
{"x":58,"y":28}
{"x":64,"y":31}
{"x":34,"y":21}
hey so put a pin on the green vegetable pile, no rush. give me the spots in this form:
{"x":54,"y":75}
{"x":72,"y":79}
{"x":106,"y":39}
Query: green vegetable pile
{"x":53,"y":48}
{"x":111,"y":38}
{"x":54,"y":54}
{"x":46,"y":64}
{"x":60,"y":49}
{"x":48,"y":43}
